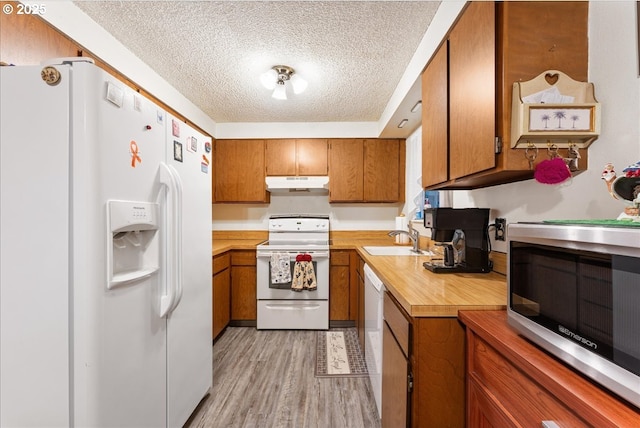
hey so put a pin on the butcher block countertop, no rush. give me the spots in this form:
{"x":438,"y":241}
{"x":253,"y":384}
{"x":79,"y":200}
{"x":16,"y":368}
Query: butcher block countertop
{"x":223,"y":245}
{"x":223,"y":241}
{"x":422,"y":293}
{"x":426,"y":294}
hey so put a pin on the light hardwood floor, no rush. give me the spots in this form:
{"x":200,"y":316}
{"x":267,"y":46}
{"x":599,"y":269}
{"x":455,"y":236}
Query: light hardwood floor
{"x":265,"y":378}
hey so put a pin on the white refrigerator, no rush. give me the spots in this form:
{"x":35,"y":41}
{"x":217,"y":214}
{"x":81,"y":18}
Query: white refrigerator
{"x":105,"y":254}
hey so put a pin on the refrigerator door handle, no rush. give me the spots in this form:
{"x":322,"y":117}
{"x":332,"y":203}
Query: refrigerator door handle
{"x":170,"y":178}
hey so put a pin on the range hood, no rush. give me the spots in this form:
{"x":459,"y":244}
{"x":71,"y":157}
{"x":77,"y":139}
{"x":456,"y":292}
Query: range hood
{"x":303,"y":185}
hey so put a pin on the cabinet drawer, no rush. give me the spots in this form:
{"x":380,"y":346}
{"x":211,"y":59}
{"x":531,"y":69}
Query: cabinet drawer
{"x":243,"y":258}
{"x":397,"y":322}
{"x":514,"y":390}
{"x":339,"y":258}
{"x":221,"y":262}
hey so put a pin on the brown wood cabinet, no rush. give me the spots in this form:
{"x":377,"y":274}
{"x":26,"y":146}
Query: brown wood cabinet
{"x":513,"y":383}
{"x":360,"y":170}
{"x":366,"y":170}
{"x":435,"y":119}
{"x":397,"y":382}
{"x":434,"y":380}
{"x":472,"y":91}
{"x":339,"y":286}
{"x":29,"y":40}
{"x":239,"y":171}
{"x":297,"y":157}
{"x":491,"y":46}
{"x":383,"y":170}
{"x":243,"y":286}
{"x":345,"y":307}
{"x":346,"y":170}
{"x":221,"y":292}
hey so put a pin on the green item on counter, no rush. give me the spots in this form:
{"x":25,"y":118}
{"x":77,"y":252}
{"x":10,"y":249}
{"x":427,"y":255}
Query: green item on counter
{"x":599,"y":222}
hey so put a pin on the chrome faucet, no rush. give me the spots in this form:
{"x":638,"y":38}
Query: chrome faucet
{"x":413,"y":234}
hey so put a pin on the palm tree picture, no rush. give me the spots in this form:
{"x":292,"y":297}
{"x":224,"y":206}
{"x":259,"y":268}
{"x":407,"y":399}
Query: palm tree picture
{"x":545,"y":118}
{"x":559,"y":115}
{"x":574,"y":119}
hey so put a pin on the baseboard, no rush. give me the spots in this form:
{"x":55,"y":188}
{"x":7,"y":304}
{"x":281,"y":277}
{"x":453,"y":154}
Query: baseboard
{"x":342,"y":324}
{"x":243,"y":323}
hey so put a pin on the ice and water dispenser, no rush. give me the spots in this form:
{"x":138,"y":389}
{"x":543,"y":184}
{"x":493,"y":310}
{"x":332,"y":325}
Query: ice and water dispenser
{"x":133,"y":249}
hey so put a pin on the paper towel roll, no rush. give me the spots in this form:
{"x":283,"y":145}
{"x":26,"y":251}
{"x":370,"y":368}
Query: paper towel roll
{"x":401,"y":224}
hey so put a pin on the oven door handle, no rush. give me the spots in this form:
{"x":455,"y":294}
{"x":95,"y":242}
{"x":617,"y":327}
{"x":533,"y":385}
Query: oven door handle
{"x":289,"y":307}
{"x":313,"y":254}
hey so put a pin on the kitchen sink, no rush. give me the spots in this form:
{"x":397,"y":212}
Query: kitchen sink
{"x":390,"y":250}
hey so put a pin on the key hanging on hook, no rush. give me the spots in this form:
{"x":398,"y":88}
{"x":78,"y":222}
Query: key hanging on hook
{"x":552,"y":150}
{"x":531,"y":153}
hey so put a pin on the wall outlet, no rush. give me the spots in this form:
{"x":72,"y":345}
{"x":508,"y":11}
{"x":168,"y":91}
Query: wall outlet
{"x":501,"y":229}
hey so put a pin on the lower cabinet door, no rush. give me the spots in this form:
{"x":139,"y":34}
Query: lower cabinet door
{"x":395,"y":387}
{"x":221,"y":301}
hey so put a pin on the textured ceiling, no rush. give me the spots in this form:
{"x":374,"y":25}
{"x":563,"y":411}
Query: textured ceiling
{"x":352,"y":53}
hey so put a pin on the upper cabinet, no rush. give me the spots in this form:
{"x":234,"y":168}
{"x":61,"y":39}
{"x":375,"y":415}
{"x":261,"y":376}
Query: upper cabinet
{"x":435,"y":125}
{"x":359,"y":170}
{"x":239,"y":173}
{"x":346,"y":169}
{"x":467,"y":87}
{"x":299,"y":157}
{"x":366,"y":170}
{"x":384,"y":164}
{"x":472,"y":91}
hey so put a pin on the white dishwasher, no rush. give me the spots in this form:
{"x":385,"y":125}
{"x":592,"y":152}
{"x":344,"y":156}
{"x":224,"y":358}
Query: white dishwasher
{"x":373,"y":298}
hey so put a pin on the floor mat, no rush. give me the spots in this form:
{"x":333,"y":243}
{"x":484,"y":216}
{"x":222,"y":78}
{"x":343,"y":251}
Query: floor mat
{"x":338,"y":354}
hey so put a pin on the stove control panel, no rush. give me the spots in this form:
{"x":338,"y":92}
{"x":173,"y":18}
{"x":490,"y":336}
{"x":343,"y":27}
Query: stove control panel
{"x":282,"y":224}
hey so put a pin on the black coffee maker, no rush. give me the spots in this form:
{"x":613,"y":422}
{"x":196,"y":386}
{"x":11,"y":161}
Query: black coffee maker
{"x":463,"y":235}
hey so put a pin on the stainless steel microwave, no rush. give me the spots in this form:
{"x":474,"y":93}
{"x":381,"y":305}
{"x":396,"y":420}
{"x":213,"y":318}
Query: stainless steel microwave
{"x":574,"y":290}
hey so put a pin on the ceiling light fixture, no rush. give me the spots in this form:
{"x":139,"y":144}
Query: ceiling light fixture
{"x":402,"y":123}
{"x":416,"y":107}
{"x":276,"y":78}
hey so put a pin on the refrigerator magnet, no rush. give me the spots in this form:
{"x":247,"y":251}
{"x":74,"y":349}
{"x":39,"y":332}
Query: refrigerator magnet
{"x":204,"y":165}
{"x":192,"y":144}
{"x":175,"y":128}
{"x":177,"y":151}
{"x":115,"y":94}
{"x":135,"y":153}
{"x":207,"y":147}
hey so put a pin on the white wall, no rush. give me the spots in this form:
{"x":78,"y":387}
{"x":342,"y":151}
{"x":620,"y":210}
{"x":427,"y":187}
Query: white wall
{"x":613,"y":68}
{"x":413,"y":175}
{"x":342,"y":216}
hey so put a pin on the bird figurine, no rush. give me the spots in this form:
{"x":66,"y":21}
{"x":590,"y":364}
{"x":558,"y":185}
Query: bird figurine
{"x":626,"y":187}
{"x":609,"y":176}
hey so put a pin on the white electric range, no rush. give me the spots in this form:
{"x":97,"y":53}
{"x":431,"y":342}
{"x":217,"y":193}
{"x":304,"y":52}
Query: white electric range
{"x":280,"y":306}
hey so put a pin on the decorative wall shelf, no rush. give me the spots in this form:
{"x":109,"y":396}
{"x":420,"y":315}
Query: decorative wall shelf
{"x":554,"y":109}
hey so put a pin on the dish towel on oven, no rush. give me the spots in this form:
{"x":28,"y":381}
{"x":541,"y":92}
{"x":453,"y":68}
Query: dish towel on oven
{"x":280,"y":268}
{"x":304,"y":276}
